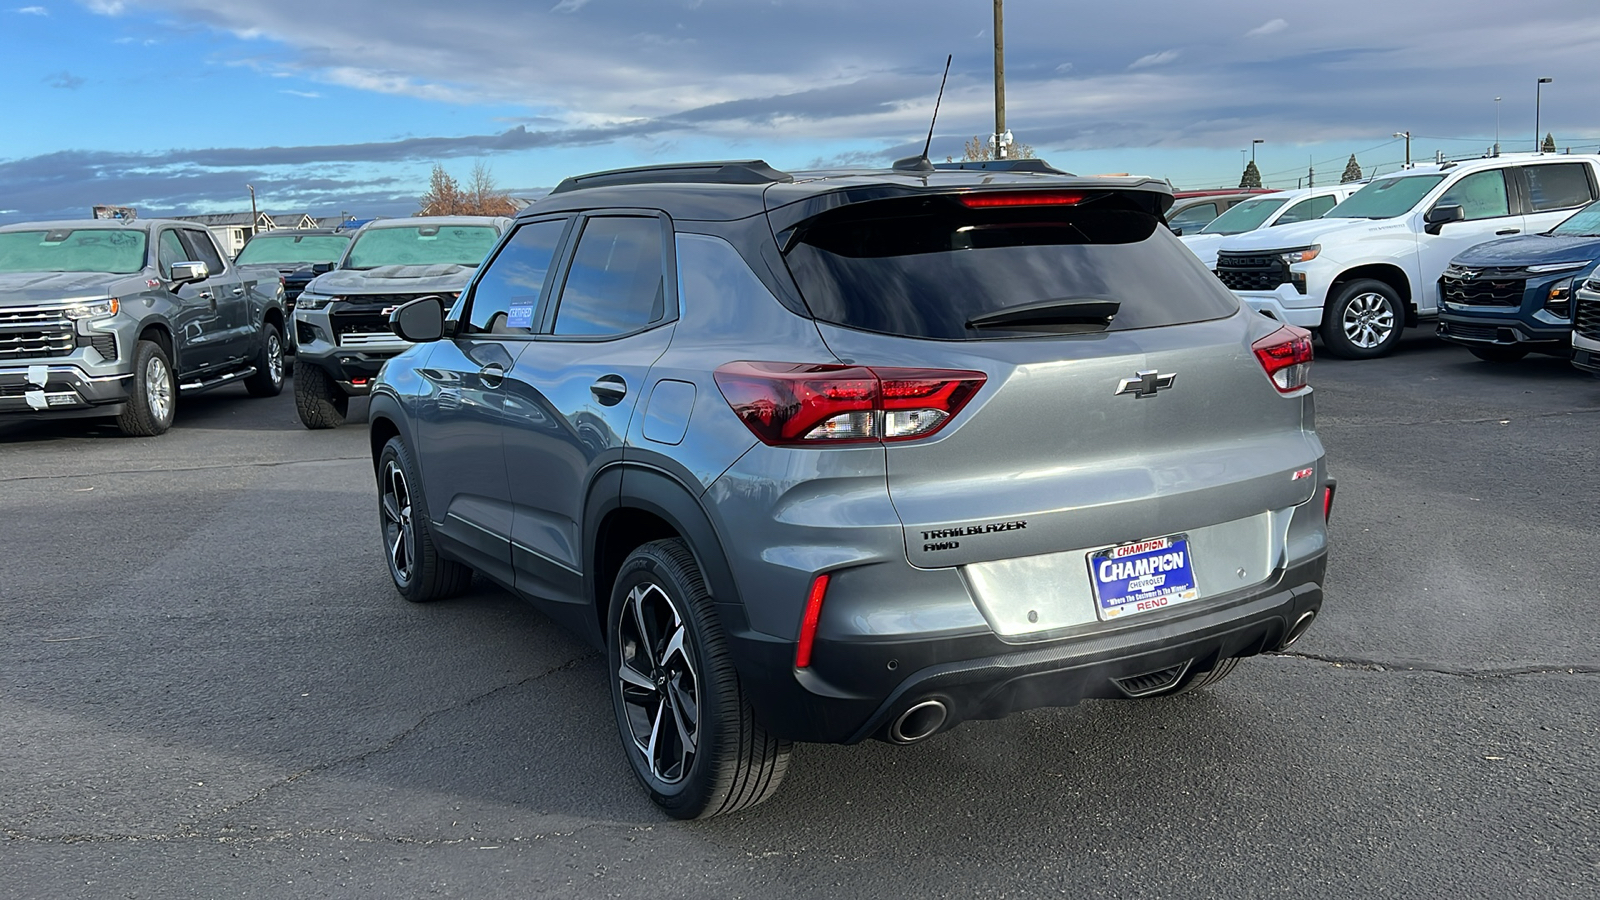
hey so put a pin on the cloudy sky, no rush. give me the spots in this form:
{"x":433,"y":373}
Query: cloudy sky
{"x":174,"y":106}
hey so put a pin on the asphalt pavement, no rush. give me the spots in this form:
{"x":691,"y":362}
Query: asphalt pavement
{"x":208,"y":688}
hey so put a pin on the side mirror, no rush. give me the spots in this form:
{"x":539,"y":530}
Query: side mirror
{"x":321,"y":268}
{"x":1442,"y":215}
{"x":1177,"y":232}
{"x":188,"y":272}
{"x":419,"y":321}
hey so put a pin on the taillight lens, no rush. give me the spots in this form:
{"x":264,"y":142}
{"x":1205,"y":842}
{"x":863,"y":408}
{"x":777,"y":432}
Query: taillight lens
{"x":808,"y":624}
{"x":1286,"y":355}
{"x":810,"y":404}
{"x":993,"y":199}
{"x":1327,"y":503}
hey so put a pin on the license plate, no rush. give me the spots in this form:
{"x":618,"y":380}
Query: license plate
{"x":1142,"y":577}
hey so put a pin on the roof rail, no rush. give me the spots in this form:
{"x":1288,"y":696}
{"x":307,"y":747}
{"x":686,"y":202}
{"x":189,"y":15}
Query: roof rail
{"x":748,"y":171}
{"x":1038,"y":166}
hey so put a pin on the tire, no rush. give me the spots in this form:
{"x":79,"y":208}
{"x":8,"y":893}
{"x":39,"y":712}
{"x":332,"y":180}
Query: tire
{"x":1364,"y":320}
{"x":689,"y":732}
{"x":1498,"y":354}
{"x":268,"y":379}
{"x":154,"y":396}
{"x":1203,"y":680}
{"x":419,"y":573}
{"x":317,"y":399}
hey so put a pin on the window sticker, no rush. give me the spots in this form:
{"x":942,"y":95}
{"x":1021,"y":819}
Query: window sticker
{"x":520,"y":314}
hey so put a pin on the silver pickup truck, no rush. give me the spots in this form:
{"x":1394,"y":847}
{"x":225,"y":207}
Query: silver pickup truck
{"x":115,"y":318}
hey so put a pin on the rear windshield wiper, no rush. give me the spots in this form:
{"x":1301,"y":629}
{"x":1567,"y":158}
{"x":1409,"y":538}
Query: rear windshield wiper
{"x":1061,"y":311}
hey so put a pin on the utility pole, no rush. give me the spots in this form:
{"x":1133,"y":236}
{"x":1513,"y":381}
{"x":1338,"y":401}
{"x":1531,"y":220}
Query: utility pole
{"x":1407,"y":136}
{"x":999,"y":81}
{"x":1497,"y":126}
{"x":255,"y":217}
{"x":1311,"y":173}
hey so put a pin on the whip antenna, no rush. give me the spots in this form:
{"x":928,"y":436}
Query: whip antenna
{"x":923,"y":163}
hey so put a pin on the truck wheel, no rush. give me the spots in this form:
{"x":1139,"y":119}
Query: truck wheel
{"x":1364,"y":320}
{"x":1498,"y":354}
{"x":317,"y":399}
{"x":419,"y":573}
{"x":687,"y":729}
{"x":153,"y":396}
{"x":268,"y":379}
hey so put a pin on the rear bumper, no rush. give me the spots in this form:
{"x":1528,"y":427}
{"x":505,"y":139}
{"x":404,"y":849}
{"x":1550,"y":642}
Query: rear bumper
{"x":870,"y":684}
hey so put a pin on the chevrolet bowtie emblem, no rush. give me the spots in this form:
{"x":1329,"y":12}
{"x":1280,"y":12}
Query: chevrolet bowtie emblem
{"x":1469,"y":274}
{"x":1146,"y":383}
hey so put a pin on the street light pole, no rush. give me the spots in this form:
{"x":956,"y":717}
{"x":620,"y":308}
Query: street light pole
{"x":1407,"y":136}
{"x":1497,"y":126}
{"x":1253,"y":147}
{"x":999,"y":81}
{"x":1538,"y":88}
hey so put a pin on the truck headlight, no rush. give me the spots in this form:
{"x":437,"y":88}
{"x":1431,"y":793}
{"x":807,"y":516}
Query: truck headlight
{"x":1300,"y":255}
{"x":94,"y":309}
{"x":1559,"y":298}
{"x":308,"y":300}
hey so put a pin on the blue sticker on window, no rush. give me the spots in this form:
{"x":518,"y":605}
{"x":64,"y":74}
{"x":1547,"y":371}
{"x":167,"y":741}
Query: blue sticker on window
{"x":520,"y":315}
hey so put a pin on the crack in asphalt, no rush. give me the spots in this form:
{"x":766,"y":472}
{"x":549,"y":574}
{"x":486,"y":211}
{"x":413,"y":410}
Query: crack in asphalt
{"x":263,"y":464}
{"x":234,"y":835}
{"x":1485,"y":420}
{"x":1378,"y":665}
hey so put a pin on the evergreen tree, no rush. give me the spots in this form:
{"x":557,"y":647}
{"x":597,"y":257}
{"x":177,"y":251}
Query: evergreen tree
{"x":1352,"y":171}
{"x":1251,"y":177}
{"x":1549,"y":145}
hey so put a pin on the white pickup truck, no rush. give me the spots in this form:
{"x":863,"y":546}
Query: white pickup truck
{"x":1371,"y":265}
{"x":1266,"y":211}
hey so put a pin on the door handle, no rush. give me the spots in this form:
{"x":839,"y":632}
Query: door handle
{"x":609,"y":390}
{"x":205,"y":295}
{"x":492,"y":375}
{"x":1509,"y":231}
{"x":237,"y":291}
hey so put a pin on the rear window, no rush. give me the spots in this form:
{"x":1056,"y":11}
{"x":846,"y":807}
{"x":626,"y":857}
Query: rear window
{"x":926,"y":267}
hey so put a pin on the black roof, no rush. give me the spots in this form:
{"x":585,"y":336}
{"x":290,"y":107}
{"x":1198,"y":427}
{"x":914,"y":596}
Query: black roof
{"x":735,"y":189}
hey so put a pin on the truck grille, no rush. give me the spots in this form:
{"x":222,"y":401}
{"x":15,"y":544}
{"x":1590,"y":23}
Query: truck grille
{"x":1250,"y":272}
{"x":358,"y":328}
{"x":28,"y":332}
{"x":387,"y":300}
{"x":1483,"y":289}
{"x":1474,"y":332}
{"x":1586,"y":318}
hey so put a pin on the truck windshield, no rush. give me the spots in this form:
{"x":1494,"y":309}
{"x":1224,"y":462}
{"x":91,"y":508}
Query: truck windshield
{"x":1247,"y":216}
{"x":270,"y":249}
{"x":112,"y":251}
{"x":422,"y":245}
{"x":1583,"y":223}
{"x":1385,"y":198}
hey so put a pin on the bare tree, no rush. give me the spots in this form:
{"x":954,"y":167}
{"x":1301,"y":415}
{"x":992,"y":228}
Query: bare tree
{"x":481,"y":197}
{"x":979,"y":150}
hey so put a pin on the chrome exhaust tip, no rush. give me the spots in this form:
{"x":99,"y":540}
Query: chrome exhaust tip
{"x":918,"y":722}
{"x":1300,"y":627}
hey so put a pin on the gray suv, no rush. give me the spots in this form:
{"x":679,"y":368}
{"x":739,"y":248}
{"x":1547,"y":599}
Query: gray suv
{"x":844,"y":455}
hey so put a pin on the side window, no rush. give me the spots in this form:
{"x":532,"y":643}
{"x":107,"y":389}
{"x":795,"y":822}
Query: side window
{"x":202,"y":249}
{"x":1194,"y":218}
{"x":1558,"y":186}
{"x":506,"y":297}
{"x":1482,"y":195}
{"x":170,"y":250}
{"x":617,"y":283}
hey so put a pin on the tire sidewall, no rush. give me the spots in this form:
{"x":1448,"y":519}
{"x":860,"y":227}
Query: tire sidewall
{"x":147,"y":351}
{"x":269,"y":333}
{"x":395,"y":451}
{"x":1333,"y":336}
{"x":694,"y":792}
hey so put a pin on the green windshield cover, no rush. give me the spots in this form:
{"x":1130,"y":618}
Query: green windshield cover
{"x":422,"y":245}
{"x":114,"y":251}
{"x":1583,"y":223}
{"x":1385,"y":198}
{"x":271,"y":249}
{"x":1247,"y":216}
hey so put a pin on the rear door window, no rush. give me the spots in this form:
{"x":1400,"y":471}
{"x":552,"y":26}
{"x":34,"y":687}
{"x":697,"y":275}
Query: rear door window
{"x":1194,"y":217}
{"x":928,"y":267}
{"x":1558,"y":186}
{"x":616,"y":283}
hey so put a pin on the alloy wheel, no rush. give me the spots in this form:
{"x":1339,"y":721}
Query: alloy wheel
{"x":274,"y":357}
{"x":398,"y":534}
{"x":1368,"y":320}
{"x":158,"y":389}
{"x":659,"y":681}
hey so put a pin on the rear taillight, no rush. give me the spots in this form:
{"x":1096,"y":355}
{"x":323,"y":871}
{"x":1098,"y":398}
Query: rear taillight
{"x":807,"y":404}
{"x":1286,"y":355}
